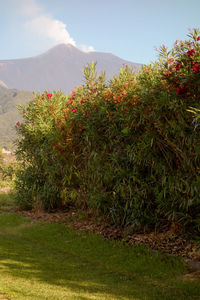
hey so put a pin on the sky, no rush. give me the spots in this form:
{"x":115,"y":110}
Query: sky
{"x":130,"y":29}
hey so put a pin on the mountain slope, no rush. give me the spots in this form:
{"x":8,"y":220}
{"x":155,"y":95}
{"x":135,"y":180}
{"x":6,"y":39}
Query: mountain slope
{"x":9,"y":115}
{"x":58,"y":68}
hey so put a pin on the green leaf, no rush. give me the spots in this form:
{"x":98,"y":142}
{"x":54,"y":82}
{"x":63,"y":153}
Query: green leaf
{"x":125,"y":130}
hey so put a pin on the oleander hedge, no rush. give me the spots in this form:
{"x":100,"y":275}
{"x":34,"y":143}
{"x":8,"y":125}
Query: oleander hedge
{"x":128,"y":149}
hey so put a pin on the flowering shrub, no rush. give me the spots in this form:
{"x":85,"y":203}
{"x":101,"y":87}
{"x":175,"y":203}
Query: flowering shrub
{"x":127,"y":148}
{"x":182,"y":65}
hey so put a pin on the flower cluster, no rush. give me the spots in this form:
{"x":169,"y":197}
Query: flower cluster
{"x":71,"y":100}
{"x":49,"y":95}
{"x":181,"y":66}
{"x":178,"y":66}
{"x":190,"y":52}
{"x":196,"y":67}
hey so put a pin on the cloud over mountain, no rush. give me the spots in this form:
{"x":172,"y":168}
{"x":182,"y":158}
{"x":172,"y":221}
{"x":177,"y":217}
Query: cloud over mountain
{"x":44,"y":25}
{"x":49,"y":27}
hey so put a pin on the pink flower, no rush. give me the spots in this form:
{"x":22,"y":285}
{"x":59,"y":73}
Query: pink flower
{"x":18,"y":123}
{"x":73,"y":110}
{"x":49,"y":95}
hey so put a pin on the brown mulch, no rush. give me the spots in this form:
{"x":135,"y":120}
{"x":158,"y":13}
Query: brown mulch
{"x":168,"y":241}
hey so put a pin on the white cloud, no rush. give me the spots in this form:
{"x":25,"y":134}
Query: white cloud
{"x":85,"y":48}
{"x":29,"y":7}
{"x":42,"y":25}
{"x":46,"y":26}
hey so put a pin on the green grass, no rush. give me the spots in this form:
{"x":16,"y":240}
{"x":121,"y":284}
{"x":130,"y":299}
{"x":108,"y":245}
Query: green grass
{"x":6,"y":202}
{"x":39,"y":260}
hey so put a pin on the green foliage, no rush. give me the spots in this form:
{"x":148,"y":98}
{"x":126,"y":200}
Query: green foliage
{"x":7,"y":203}
{"x":8,"y":169}
{"x":127,"y":148}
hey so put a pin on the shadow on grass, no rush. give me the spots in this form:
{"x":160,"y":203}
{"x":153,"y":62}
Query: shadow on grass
{"x":64,"y":265}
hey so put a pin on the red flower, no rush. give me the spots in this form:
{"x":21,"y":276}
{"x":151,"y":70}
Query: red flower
{"x":18,"y":123}
{"x":49,"y":95}
{"x":82,"y":101}
{"x":178,"y":66}
{"x":198,"y":38}
{"x":190,"y":52}
{"x":178,"y":90}
{"x":73,"y":110}
{"x":196,"y":68}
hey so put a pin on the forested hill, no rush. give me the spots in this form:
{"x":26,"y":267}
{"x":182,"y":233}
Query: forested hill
{"x":9,"y":115}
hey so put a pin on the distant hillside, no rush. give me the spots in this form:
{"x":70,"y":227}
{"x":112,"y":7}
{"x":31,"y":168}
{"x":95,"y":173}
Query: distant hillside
{"x":9,"y":115}
{"x":59,"y":68}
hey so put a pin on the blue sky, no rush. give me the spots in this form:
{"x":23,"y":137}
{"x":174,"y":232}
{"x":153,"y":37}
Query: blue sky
{"x":130,"y":29}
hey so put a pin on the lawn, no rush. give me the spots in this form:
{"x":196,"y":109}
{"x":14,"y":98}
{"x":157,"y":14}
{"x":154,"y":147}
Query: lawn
{"x":40,"y":260}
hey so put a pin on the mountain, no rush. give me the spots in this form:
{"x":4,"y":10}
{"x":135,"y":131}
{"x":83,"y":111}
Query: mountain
{"x":9,"y":115}
{"x":59,"y":68}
